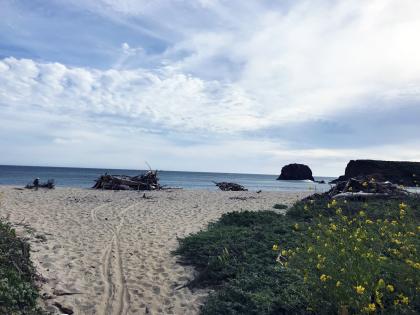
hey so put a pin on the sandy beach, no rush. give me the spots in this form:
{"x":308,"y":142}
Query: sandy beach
{"x":106,"y":252}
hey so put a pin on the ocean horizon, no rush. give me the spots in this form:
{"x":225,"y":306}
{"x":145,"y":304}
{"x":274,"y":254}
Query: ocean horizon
{"x":77,"y":177}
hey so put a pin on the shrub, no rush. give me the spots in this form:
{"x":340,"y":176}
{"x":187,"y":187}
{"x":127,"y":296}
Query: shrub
{"x":361,"y":263}
{"x":18,"y":293}
{"x":236,"y":256}
{"x":239,"y":241}
{"x":280,"y":206}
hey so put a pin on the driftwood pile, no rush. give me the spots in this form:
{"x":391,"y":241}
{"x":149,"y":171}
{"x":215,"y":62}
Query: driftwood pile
{"x":50,"y":184}
{"x":146,"y":181}
{"x":365,"y":187}
{"x":225,"y":186}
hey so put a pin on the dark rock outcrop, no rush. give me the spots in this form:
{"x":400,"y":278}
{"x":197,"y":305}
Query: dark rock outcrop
{"x":296,"y":172}
{"x":225,"y":186}
{"x":403,"y":173}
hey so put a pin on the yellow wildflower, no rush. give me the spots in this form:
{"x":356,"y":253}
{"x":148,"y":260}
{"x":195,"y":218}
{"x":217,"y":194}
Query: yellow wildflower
{"x":360,"y":289}
{"x":378,"y":296}
{"x":324,"y":277}
{"x":404,"y":299}
{"x":390,"y":288}
{"x":369,"y":221}
{"x":403,"y":206}
{"x":275,"y":247}
{"x":398,"y":242}
{"x":338,"y":211}
{"x":333,"y":227}
{"x":381,"y":283}
{"x":296,"y":226}
{"x":284,"y":252}
{"x":362,"y":213}
{"x":370,"y":308}
{"x":338,"y":283}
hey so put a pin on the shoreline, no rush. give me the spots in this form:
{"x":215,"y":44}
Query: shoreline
{"x":114,"y":248}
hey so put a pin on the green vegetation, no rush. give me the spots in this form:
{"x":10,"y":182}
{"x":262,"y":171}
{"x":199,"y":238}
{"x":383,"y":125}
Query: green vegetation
{"x":280,"y":206}
{"x":322,"y":257}
{"x":18,"y":293}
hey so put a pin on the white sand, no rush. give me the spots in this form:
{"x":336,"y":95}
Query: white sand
{"x":113,"y":248}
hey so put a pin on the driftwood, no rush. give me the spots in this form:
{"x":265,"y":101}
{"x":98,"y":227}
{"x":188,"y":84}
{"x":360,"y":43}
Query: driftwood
{"x":225,"y":186}
{"x":50,"y":184}
{"x":359,"y":195}
{"x":146,"y":181}
{"x":365,"y":187}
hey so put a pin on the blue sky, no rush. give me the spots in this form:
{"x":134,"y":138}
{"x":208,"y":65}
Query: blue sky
{"x":209,"y":85}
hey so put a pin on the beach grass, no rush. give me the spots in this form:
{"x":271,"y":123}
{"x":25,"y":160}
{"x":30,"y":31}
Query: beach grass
{"x":18,"y":292}
{"x":322,"y":257}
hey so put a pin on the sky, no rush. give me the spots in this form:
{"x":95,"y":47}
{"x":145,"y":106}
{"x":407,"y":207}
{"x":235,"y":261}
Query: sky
{"x":209,"y":85}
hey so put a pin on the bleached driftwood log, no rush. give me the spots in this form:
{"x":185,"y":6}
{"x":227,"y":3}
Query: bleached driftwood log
{"x":365,"y":187}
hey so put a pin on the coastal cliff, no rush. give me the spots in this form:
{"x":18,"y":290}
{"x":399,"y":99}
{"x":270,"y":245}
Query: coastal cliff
{"x":399,"y":172}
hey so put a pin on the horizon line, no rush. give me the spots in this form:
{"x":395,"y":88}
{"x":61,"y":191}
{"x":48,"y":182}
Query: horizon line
{"x":161,"y":170}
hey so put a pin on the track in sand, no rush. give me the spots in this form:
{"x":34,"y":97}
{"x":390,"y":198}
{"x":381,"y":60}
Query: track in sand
{"x":115,"y":300}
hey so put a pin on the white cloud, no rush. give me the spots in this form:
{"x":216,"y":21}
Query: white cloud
{"x":164,"y":98}
{"x":317,"y":58}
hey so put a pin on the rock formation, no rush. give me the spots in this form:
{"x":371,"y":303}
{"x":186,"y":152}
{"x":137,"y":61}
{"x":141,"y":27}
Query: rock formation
{"x":403,"y":173}
{"x":225,"y":186}
{"x":296,"y":172}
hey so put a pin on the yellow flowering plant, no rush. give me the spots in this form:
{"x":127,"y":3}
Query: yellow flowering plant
{"x":362,"y":263}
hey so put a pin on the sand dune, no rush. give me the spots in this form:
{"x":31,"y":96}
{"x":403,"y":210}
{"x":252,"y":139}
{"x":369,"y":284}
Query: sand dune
{"x":105,"y":252}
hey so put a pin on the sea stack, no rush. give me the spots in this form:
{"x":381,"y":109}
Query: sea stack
{"x":296,"y":172}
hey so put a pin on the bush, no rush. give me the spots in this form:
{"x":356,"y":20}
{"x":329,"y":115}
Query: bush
{"x":312,"y":244}
{"x":235,"y":255}
{"x":269,"y":291}
{"x":239,"y":241}
{"x":361,"y":263}
{"x":280,"y":206}
{"x":18,"y":293}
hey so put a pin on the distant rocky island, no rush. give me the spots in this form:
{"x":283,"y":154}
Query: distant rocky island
{"x":296,"y":172}
{"x":398,"y":172}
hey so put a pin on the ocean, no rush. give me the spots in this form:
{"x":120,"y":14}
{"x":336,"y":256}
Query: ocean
{"x":85,"y":178}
